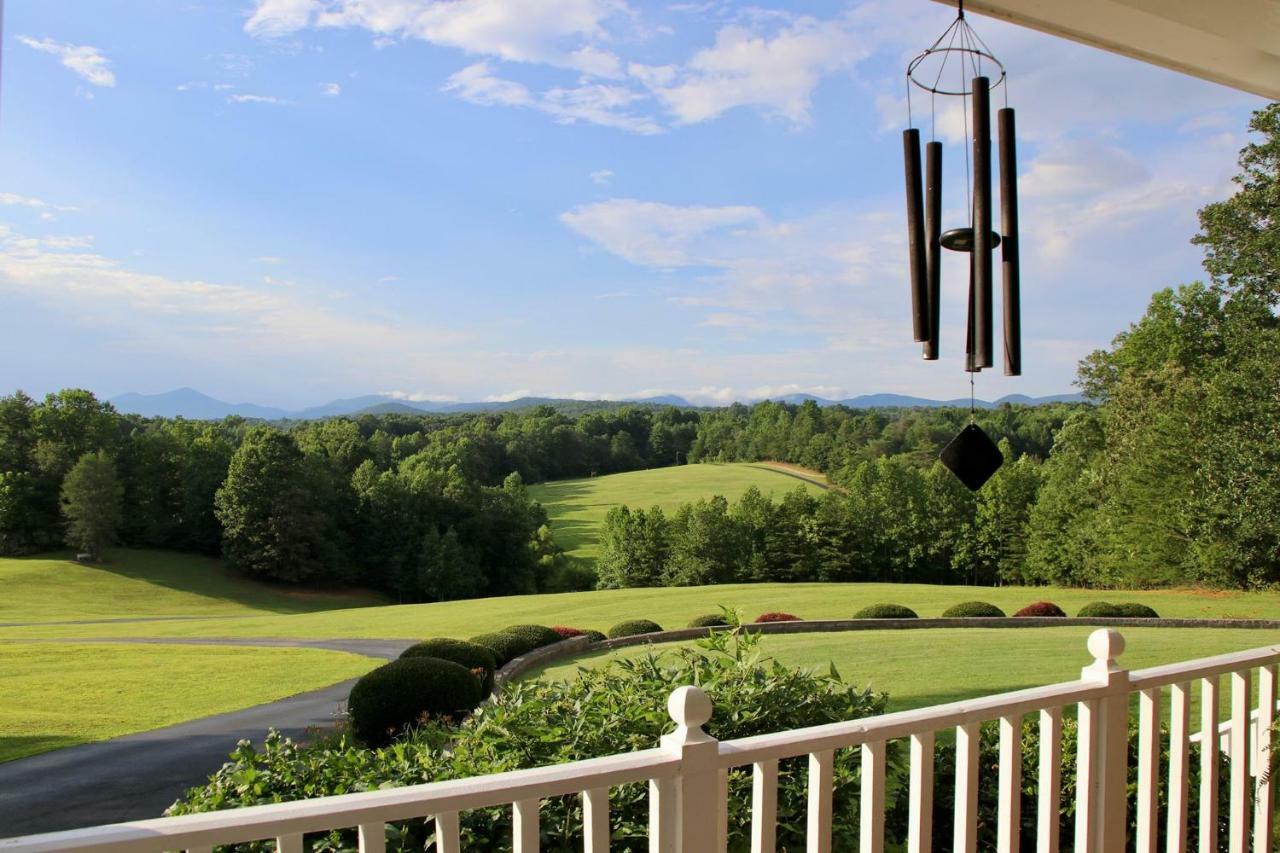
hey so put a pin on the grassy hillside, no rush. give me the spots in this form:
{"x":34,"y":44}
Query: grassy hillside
{"x":138,"y":584}
{"x":577,"y":507}
{"x":672,"y":607}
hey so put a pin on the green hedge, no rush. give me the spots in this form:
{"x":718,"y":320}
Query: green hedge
{"x":539,"y":635}
{"x":886,"y":611}
{"x":632,"y":627}
{"x":972,"y":610}
{"x":709,"y":620}
{"x":505,"y":647}
{"x":474,"y":657}
{"x":1124,"y":610}
{"x":409,"y":691}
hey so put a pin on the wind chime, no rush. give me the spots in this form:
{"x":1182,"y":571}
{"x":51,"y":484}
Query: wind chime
{"x":959,"y":65}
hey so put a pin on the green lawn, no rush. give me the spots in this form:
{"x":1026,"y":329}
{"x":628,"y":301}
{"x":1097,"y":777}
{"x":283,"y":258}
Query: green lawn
{"x":577,"y":507}
{"x":60,"y":694}
{"x":671,"y":607}
{"x":909,"y":665}
{"x":145,"y":584}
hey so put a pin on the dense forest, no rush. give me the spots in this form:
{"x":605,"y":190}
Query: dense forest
{"x":1172,"y":478}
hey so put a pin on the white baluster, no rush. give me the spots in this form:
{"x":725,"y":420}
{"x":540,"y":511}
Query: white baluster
{"x":1103,"y":750}
{"x":447,"y":833}
{"x":920,"y":818}
{"x":1239,"y":752}
{"x":818,"y":836}
{"x":1049,"y":795}
{"x":1148,"y":769}
{"x":1179,"y":766}
{"x":1264,"y":796}
{"x":764,"y":807}
{"x":871,"y":805}
{"x":372,"y":838}
{"x":687,"y":808}
{"x":291,"y":843}
{"x":524,"y":826}
{"x":965,"y":838}
{"x":722,"y":810}
{"x":1209,"y":763}
{"x":1009,"y":825}
{"x":595,"y":820}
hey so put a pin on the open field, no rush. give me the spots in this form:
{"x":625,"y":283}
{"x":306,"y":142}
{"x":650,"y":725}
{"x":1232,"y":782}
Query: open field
{"x":978,"y":661}
{"x":60,"y":694}
{"x":671,"y":607}
{"x":577,"y":507}
{"x":146,"y":584}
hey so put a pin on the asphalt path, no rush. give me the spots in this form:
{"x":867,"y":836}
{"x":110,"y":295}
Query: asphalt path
{"x":140,"y":775}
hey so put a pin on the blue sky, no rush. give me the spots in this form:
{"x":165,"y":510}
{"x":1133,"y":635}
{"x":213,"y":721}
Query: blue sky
{"x":288,"y":201}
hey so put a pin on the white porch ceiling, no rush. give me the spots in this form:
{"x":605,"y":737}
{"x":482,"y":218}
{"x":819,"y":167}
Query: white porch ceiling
{"x":1232,"y":42}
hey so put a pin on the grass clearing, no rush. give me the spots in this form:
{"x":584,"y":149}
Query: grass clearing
{"x":63,"y":694}
{"x":671,"y":607}
{"x":147,"y":584}
{"x":577,"y":507}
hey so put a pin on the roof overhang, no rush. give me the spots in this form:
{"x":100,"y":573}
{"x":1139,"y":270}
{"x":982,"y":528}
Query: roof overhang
{"x":1232,"y":42}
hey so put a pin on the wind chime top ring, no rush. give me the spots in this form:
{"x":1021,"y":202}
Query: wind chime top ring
{"x":967,"y":55}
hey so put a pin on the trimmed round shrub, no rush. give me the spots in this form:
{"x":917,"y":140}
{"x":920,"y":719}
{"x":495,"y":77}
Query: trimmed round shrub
{"x":777,"y":617}
{"x":1041,"y":608}
{"x":632,"y":627}
{"x":594,"y":636}
{"x":477,"y":658}
{"x":1135,"y":610}
{"x":539,"y":635}
{"x":709,"y":620}
{"x":972,"y":610}
{"x":886,"y":611}
{"x":1099,"y":610}
{"x":505,"y":646}
{"x":407,"y":691}
{"x":567,"y":633}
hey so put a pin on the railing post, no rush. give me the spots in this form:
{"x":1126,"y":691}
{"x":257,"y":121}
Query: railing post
{"x":685,"y":812}
{"x":1103,"y":750}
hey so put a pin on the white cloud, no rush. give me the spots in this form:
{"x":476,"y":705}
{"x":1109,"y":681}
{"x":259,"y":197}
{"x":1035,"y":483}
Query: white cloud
{"x":281,"y":17}
{"x":420,"y":396}
{"x":269,"y":259}
{"x":68,"y":241}
{"x":17,"y":200}
{"x":659,"y":235}
{"x":271,"y":100}
{"x":86,"y":61}
{"x":331,"y":90}
{"x":508,"y":396}
{"x":602,"y":177}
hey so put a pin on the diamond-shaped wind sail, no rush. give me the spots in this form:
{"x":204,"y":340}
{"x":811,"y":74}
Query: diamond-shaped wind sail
{"x":972,"y":456}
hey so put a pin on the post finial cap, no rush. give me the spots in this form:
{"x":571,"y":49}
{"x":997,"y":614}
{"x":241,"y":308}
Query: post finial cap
{"x":689,"y":707}
{"x":1106,"y":645}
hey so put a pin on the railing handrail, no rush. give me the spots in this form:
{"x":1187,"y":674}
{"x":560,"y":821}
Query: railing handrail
{"x":1175,"y":673}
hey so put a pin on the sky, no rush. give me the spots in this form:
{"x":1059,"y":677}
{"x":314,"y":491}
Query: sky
{"x":291,"y":201}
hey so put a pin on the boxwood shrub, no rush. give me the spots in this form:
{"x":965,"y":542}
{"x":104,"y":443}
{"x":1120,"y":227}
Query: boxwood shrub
{"x":972,"y":610}
{"x":1099,"y":610}
{"x":709,"y":620}
{"x":594,"y":636}
{"x":476,"y":658}
{"x":632,"y":627}
{"x":505,"y":646}
{"x":1041,"y":608}
{"x":1123,"y":610}
{"x":407,"y":692}
{"x":539,"y":635}
{"x":886,"y":611}
{"x":777,"y":617}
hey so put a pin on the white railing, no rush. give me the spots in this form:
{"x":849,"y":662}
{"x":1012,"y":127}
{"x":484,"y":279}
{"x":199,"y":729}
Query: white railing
{"x":688,"y":776}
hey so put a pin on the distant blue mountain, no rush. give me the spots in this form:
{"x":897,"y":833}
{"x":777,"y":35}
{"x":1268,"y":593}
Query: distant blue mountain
{"x":190,"y":403}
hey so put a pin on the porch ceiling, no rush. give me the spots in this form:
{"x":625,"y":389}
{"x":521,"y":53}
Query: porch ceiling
{"x":1232,"y":42}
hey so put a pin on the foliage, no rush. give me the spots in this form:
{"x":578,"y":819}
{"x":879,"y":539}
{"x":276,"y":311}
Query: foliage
{"x":537,"y":635}
{"x":91,"y":502}
{"x":505,"y":646}
{"x":632,"y":627}
{"x":1099,"y":610}
{"x":476,"y":658}
{"x":776,"y":617}
{"x":409,"y":692}
{"x":1123,"y":610}
{"x":567,"y":633}
{"x":886,"y":611}
{"x":972,"y":609}
{"x":1041,"y":608}
{"x":709,"y":620}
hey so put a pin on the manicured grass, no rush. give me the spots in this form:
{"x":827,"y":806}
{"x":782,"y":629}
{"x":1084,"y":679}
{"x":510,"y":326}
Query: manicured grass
{"x":62,"y":694}
{"x":577,"y":507}
{"x":670,"y":607}
{"x":138,"y":584}
{"x":927,"y":667}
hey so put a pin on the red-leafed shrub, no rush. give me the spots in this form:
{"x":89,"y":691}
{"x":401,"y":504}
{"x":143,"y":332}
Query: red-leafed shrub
{"x":777,"y":617}
{"x":566,"y":632}
{"x":1041,"y":608}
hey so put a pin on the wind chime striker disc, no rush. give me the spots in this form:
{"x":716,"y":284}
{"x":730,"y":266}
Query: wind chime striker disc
{"x":972,"y":456}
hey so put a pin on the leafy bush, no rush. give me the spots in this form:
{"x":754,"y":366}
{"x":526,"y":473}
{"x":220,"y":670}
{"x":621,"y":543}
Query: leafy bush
{"x":506,"y":647}
{"x":476,"y":658}
{"x":618,"y":708}
{"x":1041,"y":608}
{"x":595,"y":636}
{"x":777,"y":617}
{"x":408,"y":692}
{"x":709,"y":620}
{"x":972,"y":610}
{"x":1124,"y":610}
{"x":567,"y":633}
{"x":1099,"y":610}
{"x":886,"y":611}
{"x":632,"y":627}
{"x":539,"y":635}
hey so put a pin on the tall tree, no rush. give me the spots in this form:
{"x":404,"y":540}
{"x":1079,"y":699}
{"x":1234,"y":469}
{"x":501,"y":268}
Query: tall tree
{"x":91,"y":502}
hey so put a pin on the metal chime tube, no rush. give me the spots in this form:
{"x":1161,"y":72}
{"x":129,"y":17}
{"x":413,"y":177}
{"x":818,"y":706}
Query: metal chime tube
{"x":932,"y":248}
{"x":970,"y":352}
{"x":915,"y":233}
{"x":1011,"y":278}
{"x":982,"y":248}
